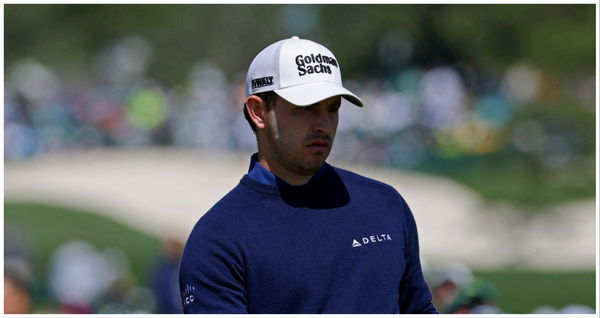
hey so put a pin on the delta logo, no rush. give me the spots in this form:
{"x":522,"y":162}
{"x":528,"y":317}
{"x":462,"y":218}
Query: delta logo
{"x":371,"y":239}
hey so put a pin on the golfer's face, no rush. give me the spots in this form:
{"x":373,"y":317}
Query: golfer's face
{"x":301,"y":137}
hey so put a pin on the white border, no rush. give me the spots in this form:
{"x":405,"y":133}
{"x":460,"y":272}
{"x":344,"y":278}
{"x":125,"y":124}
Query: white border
{"x":301,"y":2}
{"x":308,"y":2}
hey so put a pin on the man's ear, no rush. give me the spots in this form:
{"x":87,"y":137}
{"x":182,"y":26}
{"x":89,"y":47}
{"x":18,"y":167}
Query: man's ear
{"x":256,"y":110}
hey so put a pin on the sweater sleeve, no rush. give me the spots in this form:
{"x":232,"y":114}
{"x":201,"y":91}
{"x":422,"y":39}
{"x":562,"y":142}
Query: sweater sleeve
{"x":415,"y":296}
{"x":212,"y":276}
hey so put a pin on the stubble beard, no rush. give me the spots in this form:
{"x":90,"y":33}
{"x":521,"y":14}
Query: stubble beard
{"x":291,"y":156}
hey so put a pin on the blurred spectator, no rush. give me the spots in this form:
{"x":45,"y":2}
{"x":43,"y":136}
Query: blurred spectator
{"x":18,"y":278}
{"x":521,"y":82}
{"x":445,"y":281}
{"x":114,"y":298}
{"x":16,"y":294}
{"x":573,"y":309}
{"x":477,"y":297}
{"x":122,"y":296}
{"x":206,"y":116}
{"x":576,"y":309}
{"x":18,"y":271}
{"x":165,"y":280}
{"x":444,"y":98}
{"x":124,"y":62}
{"x":79,"y":275}
{"x":73,"y":279}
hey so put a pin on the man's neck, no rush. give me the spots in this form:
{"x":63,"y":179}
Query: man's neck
{"x":284,"y":174}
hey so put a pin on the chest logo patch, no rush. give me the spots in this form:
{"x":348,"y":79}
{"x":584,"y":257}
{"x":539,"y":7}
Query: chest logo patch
{"x":371,"y":239}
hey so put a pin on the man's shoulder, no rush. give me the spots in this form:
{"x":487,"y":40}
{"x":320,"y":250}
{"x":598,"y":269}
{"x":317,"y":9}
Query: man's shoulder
{"x":357,"y":180}
{"x":226,"y":212}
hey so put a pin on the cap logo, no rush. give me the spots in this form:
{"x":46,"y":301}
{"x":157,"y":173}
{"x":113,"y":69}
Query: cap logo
{"x":305,"y":62}
{"x":263,"y":81}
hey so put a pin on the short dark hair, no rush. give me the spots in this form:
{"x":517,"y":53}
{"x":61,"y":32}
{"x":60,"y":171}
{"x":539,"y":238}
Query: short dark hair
{"x":267,"y":97}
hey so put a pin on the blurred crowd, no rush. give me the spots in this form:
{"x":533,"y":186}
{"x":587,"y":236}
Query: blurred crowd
{"x":445,"y":111}
{"x":83,"y":279}
{"x":456,"y":290}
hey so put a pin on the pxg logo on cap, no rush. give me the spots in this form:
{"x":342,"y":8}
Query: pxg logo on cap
{"x":263,"y":81}
{"x":300,"y":71}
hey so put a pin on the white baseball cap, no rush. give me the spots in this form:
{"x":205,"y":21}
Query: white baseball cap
{"x":300,"y":71}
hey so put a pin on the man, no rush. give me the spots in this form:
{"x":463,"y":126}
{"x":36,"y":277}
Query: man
{"x":297,"y":235}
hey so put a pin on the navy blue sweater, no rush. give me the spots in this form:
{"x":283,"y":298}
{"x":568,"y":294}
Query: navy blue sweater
{"x":341,"y":243}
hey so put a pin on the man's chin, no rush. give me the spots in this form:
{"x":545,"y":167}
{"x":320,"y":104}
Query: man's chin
{"x":320,"y":154}
{"x":313,"y":166}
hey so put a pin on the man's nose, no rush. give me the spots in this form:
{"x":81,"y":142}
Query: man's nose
{"x":324,"y":123}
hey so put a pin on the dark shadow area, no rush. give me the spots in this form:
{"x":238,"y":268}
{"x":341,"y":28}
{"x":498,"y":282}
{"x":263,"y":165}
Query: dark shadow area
{"x":325,"y":192}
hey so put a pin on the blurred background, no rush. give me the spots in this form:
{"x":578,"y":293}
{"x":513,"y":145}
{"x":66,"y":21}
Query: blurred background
{"x":123,"y":124}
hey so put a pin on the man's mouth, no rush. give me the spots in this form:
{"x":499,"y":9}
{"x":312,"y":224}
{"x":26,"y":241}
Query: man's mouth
{"x":319,"y":145}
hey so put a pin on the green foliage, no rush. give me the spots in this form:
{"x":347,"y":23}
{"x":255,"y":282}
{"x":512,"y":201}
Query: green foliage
{"x":559,"y":38}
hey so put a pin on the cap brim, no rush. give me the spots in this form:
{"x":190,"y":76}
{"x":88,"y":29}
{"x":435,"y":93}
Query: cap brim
{"x":311,"y":93}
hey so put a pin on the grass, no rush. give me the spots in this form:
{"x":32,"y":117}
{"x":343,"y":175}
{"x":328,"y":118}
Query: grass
{"x":521,"y":292}
{"x":521,"y":181}
{"x":47,"y":227}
